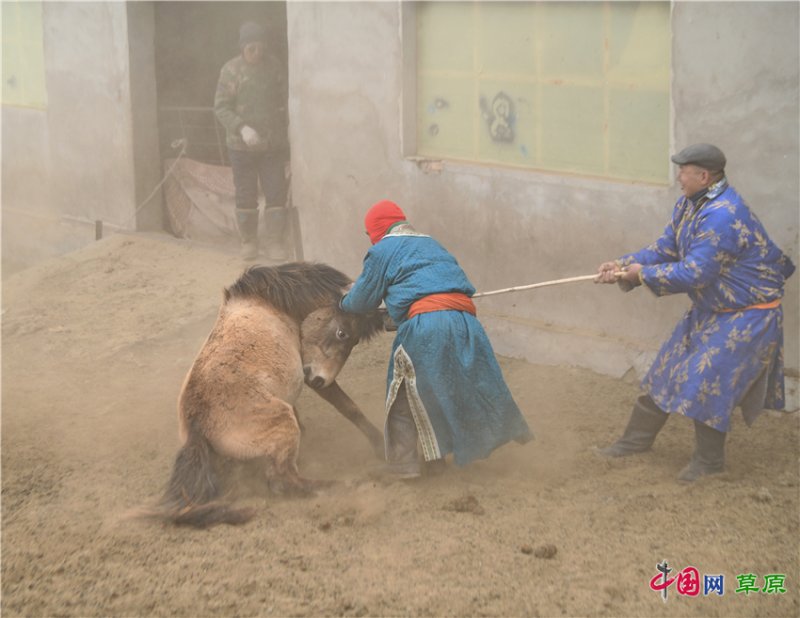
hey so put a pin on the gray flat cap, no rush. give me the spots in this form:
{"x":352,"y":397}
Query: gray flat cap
{"x":706,"y":156}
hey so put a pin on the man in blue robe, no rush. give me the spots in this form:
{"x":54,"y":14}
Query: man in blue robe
{"x":727,"y":351}
{"x":445,"y":389}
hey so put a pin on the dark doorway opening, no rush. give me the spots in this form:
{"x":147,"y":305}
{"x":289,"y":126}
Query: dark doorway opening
{"x":192,"y":42}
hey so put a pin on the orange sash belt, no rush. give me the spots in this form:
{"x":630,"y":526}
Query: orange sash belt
{"x":455,"y":301}
{"x":770,"y":305}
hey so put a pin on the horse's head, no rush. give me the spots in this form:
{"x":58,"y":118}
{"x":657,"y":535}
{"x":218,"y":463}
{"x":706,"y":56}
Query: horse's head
{"x":328,"y":335}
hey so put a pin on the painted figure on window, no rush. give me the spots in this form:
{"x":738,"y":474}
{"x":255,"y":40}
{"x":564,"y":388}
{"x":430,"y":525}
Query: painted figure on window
{"x":500,"y":117}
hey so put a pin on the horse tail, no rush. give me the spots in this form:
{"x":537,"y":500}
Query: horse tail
{"x":192,"y":494}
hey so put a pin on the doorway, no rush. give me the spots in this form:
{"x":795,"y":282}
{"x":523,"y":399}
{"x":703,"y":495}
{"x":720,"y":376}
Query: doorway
{"x":192,"y":42}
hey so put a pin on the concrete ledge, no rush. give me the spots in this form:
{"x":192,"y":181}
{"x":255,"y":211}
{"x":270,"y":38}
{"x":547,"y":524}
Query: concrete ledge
{"x":550,"y":344}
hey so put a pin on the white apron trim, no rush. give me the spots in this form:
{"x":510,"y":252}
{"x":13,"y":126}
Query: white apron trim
{"x":404,"y":370}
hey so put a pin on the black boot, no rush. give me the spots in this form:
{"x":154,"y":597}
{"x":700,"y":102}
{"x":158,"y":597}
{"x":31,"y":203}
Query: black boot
{"x":247,"y":222}
{"x":709,"y":453}
{"x":275,"y":235}
{"x":645,"y":423}
{"x":401,"y":446}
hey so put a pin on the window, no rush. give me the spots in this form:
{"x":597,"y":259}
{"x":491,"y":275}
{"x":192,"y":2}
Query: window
{"x":23,"y":55}
{"x":575,"y":87}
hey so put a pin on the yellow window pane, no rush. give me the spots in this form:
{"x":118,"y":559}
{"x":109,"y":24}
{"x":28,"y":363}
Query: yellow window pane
{"x":33,"y":75}
{"x":446,"y":110}
{"x":445,"y":40}
{"x":507,"y":129}
{"x":572,"y":128}
{"x":639,"y":135}
{"x":11,"y":85}
{"x":30,"y":21}
{"x":23,"y":54}
{"x":571,"y":40}
{"x":580,"y":87}
{"x":639,"y":43}
{"x":10,"y":23}
{"x":506,"y":38}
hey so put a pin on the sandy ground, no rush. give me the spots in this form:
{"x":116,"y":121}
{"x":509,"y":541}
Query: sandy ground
{"x":95,"y":346}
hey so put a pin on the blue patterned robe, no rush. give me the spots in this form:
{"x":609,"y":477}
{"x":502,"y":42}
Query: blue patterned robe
{"x":721,"y":355}
{"x":458,"y":397}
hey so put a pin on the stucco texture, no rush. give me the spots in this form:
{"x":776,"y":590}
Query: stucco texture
{"x":735,"y":83}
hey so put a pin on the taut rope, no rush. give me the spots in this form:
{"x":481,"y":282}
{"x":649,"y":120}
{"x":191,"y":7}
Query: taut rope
{"x":532,"y":286}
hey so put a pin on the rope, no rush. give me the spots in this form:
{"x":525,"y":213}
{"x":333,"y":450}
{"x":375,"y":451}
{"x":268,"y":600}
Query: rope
{"x":178,"y":142}
{"x":541,"y":285}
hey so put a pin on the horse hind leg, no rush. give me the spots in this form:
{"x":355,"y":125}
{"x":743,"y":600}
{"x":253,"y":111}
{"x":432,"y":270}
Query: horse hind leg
{"x":289,"y":482}
{"x":270,"y":434}
{"x":283,"y":476}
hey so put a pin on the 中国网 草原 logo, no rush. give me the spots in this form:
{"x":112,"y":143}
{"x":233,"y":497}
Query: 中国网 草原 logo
{"x":688,"y":582}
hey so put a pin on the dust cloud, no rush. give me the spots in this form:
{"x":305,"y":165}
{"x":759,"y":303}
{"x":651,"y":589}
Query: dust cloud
{"x":95,"y":347}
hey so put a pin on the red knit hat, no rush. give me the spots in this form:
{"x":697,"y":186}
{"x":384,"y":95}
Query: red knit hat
{"x":380,"y":217}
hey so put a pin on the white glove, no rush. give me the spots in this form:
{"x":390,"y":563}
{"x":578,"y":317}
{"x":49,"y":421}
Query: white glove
{"x":249,"y":135}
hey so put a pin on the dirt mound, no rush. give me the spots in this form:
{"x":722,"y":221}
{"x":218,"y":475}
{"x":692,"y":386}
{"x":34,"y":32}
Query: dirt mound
{"x":95,"y":347}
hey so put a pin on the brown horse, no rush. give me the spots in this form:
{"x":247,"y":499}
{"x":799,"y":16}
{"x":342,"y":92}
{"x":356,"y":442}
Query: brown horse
{"x":277,"y":327}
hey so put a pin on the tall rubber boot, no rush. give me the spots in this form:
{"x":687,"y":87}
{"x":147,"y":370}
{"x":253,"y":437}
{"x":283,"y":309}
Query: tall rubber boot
{"x":401,"y":445}
{"x":643,"y":427}
{"x":247,"y":222}
{"x":709,"y":453}
{"x":275,"y":220}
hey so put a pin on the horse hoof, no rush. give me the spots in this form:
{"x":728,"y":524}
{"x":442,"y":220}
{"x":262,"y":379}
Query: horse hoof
{"x":299,"y":488}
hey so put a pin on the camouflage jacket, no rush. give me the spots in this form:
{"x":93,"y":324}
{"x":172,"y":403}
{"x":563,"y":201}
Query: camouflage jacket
{"x":252,"y":95}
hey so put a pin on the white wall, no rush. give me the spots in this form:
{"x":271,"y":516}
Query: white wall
{"x":735,"y":84}
{"x":73,"y":163}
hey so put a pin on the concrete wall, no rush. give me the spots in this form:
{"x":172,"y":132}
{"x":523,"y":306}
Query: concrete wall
{"x":149,"y":213}
{"x":76,"y":161}
{"x":735,"y":84}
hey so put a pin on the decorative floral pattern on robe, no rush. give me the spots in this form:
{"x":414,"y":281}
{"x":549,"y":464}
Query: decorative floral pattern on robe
{"x":723,"y":353}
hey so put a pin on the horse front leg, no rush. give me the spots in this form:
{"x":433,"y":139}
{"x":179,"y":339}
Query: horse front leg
{"x":335,"y":396}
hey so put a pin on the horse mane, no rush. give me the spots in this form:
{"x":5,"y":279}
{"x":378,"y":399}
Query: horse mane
{"x":370,"y":324}
{"x":297,"y":288}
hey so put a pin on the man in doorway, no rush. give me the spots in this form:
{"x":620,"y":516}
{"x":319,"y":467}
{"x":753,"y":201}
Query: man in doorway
{"x":727,"y":351}
{"x":248,"y":104}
